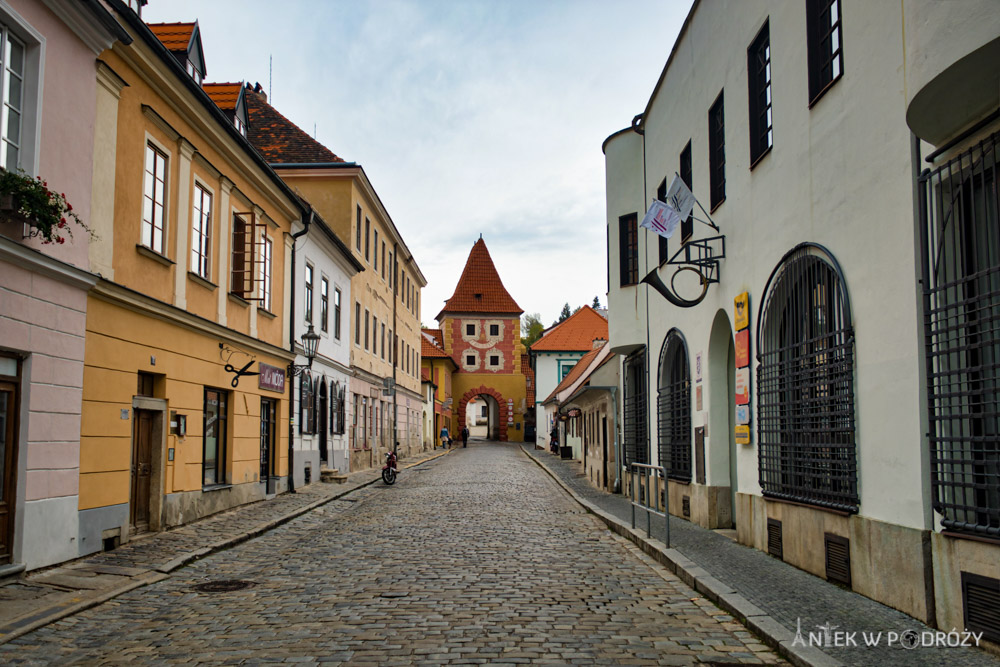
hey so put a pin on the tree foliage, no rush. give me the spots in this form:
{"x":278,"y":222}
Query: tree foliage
{"x":531,"y":328}
{"x":596,"y":304}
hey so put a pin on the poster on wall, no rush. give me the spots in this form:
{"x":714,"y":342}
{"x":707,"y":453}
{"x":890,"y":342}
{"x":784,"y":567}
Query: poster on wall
{"x":743,"y":414}
{"x":742,"y":348}
{"x":742,"y":386}
{"x":742,"y":435}
{"x":697,"y":367}
{"x":741,"y":319}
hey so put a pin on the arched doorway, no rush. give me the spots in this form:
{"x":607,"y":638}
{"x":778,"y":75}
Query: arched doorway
{"x":722,"y":452}
{"x":673,"y":408}
{"x":490,"y":423}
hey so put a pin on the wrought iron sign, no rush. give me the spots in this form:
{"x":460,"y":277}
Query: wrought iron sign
{"x":228,"y":353}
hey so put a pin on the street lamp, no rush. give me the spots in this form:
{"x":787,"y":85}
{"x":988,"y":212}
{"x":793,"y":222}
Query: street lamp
{"x":310,"y":339}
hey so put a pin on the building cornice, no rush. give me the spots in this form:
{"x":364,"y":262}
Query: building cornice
{"x":147,"y":306}
{"x":38,"y":262}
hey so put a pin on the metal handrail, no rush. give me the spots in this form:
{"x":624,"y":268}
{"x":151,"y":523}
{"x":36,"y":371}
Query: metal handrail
{"x":639,"y":473}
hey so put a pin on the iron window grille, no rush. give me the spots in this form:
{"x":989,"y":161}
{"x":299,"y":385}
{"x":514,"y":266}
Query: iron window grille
{"x":759,"y":81}
{"x":685,"y":172}
{"x":825,"y":46}
{"x":635,"y":423}
{"x":805,"y":383}
{"x":717,"y":151}
{"x":960,"y":244}
{"x":673,"y":408}
{"x":628,"y":249}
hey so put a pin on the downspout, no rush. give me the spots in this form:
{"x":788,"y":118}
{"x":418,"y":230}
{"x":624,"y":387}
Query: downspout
{"x":291,"y":346}
{"x":613,"y":390}
{"x":395,"y":350}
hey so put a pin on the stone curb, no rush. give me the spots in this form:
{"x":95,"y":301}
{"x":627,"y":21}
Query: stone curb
{"x":774,"y":634}
{"x":20,"y":627}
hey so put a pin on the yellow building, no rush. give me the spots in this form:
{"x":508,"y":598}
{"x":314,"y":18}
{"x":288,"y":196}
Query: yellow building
{"x":481,"y":331}
{"x":438,"y":368}
{"x":184,"y":405}
{"x":385,"y":311}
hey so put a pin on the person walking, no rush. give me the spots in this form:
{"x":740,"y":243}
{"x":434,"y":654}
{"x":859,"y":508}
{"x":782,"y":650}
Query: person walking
{"x":465,"y":436}
{"x":445,"y":438}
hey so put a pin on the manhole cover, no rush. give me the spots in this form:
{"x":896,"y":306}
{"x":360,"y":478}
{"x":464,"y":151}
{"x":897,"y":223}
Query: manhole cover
{"x":223,"y":586}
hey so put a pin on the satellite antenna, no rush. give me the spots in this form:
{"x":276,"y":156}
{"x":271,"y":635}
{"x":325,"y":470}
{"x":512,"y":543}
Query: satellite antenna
{"x":270,"y":67}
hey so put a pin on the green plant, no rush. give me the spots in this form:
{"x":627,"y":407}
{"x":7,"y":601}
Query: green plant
{"x":46,"y":212}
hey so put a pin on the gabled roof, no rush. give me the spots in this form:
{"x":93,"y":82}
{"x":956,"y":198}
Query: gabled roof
{"x":480,"y":289}
{"x":225,"y":95}
{"x":174,"y":36}
{"x":432,"y":344}
{"x":576,"y":333}
{"x":577,"y":372}
{"x":280,"y":140}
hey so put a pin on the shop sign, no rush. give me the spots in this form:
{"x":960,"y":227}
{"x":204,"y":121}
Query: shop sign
{"x":271,"y":378}
{"x":743,"y":414}
{"x":743,"y":348}
{"x":741,"y":318}
{"x":742,"y":386}
{"x":742,"y":435}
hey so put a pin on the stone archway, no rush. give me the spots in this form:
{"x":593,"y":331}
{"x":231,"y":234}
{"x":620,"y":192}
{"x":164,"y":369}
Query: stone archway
{"x":484,"y":391}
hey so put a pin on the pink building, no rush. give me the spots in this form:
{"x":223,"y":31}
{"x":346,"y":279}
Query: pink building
{"x":51,"y":78}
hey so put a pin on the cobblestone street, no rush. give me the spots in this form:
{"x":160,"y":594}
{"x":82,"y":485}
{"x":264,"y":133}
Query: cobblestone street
{"x":476,"y":557}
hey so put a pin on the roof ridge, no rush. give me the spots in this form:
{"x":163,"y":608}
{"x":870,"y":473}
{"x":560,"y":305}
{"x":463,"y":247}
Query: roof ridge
{"x":279,"y":155}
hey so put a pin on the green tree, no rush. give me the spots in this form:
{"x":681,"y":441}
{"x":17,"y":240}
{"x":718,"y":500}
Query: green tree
{"x":596,"y":304}
{"x":531,"y":328}
{"x":565,"y":314}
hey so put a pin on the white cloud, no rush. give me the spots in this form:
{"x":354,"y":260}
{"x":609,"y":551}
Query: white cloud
{"x":469,"y":117}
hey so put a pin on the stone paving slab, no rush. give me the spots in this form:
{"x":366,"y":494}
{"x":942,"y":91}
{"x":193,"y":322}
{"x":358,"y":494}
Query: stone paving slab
{"x":47,"y":595}
{"x":480,"y":559}
{"x":788,"y":597}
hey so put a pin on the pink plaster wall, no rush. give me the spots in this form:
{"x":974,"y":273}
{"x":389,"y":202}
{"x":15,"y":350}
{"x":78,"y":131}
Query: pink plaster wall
{"x":69,"y":95}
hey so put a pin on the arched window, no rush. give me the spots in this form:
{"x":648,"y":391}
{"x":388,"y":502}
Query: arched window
{"x":673,"y":407}
{"x":805,"y":383}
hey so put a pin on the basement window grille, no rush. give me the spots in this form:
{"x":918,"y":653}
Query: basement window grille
{"x":960,"y":242}
{"x":981,"y":605}
{"x":635,"y":430}
{"x":805,"y":383}
{"x":838,"y":559}
{"x":673,"y":408}
{"x":774,"y":539}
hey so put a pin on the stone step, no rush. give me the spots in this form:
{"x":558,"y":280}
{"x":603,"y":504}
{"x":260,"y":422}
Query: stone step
{"x":333,"y":475}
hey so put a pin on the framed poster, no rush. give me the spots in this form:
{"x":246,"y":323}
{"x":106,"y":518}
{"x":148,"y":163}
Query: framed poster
{"x":741,"y":318}
{"x":742,"y":386}
{"x":743,"y":348}
{"x":743,"y":414}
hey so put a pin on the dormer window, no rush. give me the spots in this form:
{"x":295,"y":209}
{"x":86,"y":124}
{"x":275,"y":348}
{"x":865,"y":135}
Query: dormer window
{"x":193,"y":71}
{"x":240,"y":125}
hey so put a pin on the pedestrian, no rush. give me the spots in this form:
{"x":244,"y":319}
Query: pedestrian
{"x":554,"y":442}
{"x":445,"y":438}
{"x":465,"y":436}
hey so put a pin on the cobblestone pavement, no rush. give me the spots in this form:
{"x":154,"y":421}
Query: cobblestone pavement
{"x":477,"y":557}
{"x":786,"y":593}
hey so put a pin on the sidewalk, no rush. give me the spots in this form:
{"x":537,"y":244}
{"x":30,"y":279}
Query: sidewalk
{"x":769,"y":596}
{"x":48,"y":595}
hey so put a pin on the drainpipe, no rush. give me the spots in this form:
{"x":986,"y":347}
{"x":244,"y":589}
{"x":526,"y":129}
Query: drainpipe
{"x":291,"y":346}
{"x":395,"y":350}
{"x":613,"y":390}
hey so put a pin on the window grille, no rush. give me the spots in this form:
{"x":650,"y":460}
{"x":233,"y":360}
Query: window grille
{"x":805,"y":383}
{"x":635,"y":428}
{"x":628,"y":249}
{"x":717,"y":151}
{"x":960,"y":242}
{"x":673,"y":408}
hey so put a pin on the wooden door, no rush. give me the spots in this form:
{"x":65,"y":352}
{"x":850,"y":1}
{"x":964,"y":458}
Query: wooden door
{"x":8,"y":468}
{"x":142,"y":468}
{"x":268,"y":418}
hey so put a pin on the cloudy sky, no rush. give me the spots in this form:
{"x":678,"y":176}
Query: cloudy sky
{"x":469,"y":116}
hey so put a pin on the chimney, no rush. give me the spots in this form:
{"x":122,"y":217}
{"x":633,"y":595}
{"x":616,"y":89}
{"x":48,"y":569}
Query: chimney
{"x":598,"y":342}
{"x":259,"y":89}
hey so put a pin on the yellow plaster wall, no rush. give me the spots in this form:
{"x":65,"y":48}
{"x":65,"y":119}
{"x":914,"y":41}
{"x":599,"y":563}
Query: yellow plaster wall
{"x":119,"y":343}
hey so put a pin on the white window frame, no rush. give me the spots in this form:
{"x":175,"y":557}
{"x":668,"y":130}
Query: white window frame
{"x":264,"y":285}
{"x":12,"y":23}
{"x":156,"y":146}
{"x":201,"y":230}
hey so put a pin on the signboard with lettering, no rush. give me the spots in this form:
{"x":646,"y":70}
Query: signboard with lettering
{"x":271,"y":378}
{"x":742,"y":435}
{"x":742,"y":386}
{"x":741,"y":318}
{"x":743,"y":348}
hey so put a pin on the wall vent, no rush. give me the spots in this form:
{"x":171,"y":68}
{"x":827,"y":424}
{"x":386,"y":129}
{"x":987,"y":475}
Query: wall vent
{"x":774,"y":538}
{"x":838,"y":559}
{"x":981,"y":605}
{"x":686,"y":506}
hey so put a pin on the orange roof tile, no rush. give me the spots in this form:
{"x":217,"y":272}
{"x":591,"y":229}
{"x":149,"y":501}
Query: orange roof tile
{"x":278,"y":139}
{"x":576,"y":333}
{"x":480,"y":289}
{"x":575,"y":372}
{"x":174,"y":36}
{"x":529,"y":373}
{"x":432,"y":344}
{"x":425,"y":374}
{"x":225,"y":95}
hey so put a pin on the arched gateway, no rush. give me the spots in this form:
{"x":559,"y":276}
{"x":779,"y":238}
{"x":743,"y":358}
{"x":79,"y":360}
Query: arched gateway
{"x":481,"y":333}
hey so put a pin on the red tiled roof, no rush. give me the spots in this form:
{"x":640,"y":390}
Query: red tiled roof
{"x":425,"y":374}
{"x":174,"y":36}
{"x":225,"y":95}
{"x":576,"y":333}
{"x":432,"y":344}
{"x":480,"y":289}
{"x":278,"y":139}
{"x":575,"y":372}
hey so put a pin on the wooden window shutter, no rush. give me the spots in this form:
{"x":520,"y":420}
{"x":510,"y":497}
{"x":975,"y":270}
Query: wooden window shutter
{"x":248,"y":260}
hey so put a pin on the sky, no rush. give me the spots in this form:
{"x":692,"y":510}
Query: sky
{"x":469,"y":117}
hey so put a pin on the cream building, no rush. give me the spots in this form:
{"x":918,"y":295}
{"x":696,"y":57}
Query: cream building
{"x":871,"y":291}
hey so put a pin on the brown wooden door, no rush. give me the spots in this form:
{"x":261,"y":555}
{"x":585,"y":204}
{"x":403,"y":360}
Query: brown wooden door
{"x":8,"y":468}
{"x":142,"y":467}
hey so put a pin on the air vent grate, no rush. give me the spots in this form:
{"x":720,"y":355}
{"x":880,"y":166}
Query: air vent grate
{"x":774,"y":538}
{"x":686,"y":506}
{"x":981,"y":604}
{"x":838,"y":559}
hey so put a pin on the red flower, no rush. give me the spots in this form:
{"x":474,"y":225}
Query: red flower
{"x":61,"y":240}
{"x":69,"y":207}
{"x":62,"y":223}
